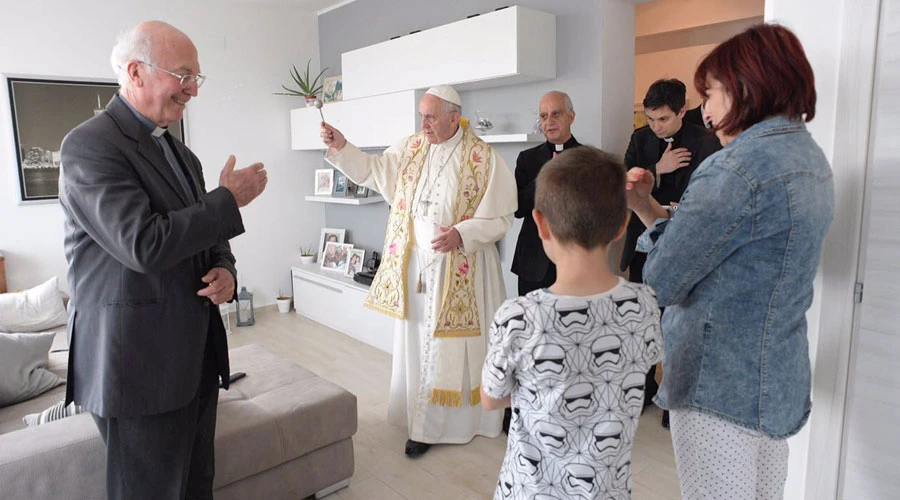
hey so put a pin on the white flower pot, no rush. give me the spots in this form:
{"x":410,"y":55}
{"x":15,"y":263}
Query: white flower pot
{"x":307,"y":259}
{"x":284,"y":305}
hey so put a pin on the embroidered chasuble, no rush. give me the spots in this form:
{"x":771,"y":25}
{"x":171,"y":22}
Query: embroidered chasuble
{"x":444,"y":302}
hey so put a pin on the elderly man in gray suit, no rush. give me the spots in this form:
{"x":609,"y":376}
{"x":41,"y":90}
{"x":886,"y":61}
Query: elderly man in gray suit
{"x":149,"y":261}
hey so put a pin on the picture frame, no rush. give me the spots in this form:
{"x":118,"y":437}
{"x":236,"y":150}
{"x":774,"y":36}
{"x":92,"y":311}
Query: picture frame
{"x":43,"y":111}
{"x":336,"y":256}
{"x":324,"y":181}
{"x":330,"y":234}
{"x":355,"y":262}
{"x":333,"y":89}
{"x":361,"y":192}
{"x":340,"y":184}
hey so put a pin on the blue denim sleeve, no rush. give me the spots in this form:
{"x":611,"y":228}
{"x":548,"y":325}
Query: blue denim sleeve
{"x":647,"y":240}
{"x":713,"y":220}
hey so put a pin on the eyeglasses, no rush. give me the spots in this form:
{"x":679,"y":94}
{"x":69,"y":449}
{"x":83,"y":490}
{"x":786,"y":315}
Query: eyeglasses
{"x":186,"y":81}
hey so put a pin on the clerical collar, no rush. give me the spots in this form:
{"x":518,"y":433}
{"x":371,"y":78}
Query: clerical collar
{"x":556,"y":148}
{"x":451,"y":142}
{"x":155,"y":131}
{"x":675,"y":137}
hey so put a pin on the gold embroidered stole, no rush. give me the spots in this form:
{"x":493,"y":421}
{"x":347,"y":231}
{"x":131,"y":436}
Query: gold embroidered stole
{"x":458,"y":316}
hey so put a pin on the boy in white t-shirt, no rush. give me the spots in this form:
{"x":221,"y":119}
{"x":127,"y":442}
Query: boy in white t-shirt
{"x":571,"y":359}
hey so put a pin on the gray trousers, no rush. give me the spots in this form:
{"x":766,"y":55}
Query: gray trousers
{"x":169,"y":456}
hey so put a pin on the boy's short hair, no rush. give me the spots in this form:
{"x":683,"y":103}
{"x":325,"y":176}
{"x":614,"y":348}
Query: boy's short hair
{"x":581,"y":193}
{"x":670,"y":92}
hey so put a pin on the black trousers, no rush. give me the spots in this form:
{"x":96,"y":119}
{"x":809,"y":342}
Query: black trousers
{"x":636,"y":275}
{"x":169,"y":456}
{"x":526,"y":286}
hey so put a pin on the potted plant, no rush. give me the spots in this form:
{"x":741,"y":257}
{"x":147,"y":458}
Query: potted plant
{"x":284,"y":302}
{"x":307,"y":87}
{"x":307,"y":255}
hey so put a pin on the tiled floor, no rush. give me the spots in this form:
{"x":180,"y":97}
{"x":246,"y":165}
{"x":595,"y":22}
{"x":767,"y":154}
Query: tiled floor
{"x":452,"y":472}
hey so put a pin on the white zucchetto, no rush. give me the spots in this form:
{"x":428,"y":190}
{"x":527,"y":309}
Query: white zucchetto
{"x":446,"y":93}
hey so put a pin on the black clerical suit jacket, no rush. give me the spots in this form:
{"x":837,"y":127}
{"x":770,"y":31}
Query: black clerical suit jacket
{"x":530,"y":262}
{"x":644,"y":150}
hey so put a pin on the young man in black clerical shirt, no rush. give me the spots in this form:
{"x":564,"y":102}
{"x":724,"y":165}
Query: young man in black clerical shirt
{"x":530,"y":263}
{"x":671,"y":148}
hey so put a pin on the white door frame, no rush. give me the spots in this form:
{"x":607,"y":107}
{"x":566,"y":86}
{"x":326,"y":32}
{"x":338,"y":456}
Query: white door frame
{"x":843,"y":246}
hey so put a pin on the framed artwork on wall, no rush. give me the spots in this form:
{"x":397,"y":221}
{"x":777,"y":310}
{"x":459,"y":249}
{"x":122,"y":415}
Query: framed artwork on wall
{"x":43,"y":111}
{"x":330,"y":235}
{"x":324,"y":181}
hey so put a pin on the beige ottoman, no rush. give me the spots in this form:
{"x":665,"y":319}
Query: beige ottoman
{"x":282,"y":432}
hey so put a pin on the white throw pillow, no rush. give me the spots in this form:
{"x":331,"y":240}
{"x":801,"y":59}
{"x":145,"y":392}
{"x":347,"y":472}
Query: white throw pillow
{"x":38,"y":309}
{"x":23,"y":361}
{"x":55,"y":412}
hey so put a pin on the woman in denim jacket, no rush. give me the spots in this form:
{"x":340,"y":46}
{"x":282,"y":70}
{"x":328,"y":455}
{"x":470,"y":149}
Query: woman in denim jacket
{"x":734,"y":267}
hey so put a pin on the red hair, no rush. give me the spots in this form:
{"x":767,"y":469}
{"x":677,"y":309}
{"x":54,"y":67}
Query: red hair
{"x":765,"y":72}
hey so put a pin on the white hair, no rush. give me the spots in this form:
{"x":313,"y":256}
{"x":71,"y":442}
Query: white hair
{"x":450,"y":107}
{"x":133,"y":45}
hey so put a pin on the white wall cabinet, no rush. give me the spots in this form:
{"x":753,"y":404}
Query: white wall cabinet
{"x":336,"y":301}
{"x":506,"y":47}
{"x":372,"y":122}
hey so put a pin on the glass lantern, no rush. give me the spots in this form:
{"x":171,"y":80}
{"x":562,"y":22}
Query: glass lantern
{"x":245,"y":308}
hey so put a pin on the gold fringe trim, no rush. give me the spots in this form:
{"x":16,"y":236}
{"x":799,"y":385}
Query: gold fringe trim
{"x":445,"y":397}
{"x":475,"y":396}
{"x":438,"y":333}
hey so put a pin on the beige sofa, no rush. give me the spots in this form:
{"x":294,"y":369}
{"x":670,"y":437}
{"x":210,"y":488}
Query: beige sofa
{"x":282,"y":433}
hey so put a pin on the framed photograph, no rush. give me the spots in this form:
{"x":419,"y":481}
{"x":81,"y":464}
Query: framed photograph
{"x":336,"y":256}
{"x":332,"y":236}
{"x":355,"y":261}
{"x":361,"y":192}
{"x":332,"y":89}
{"x":340,"y":184}
{"x":43,"y":111}
{"x":324,"y":181}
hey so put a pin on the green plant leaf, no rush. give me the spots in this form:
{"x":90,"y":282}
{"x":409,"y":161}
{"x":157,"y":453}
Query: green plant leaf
{"x":305,"y":85}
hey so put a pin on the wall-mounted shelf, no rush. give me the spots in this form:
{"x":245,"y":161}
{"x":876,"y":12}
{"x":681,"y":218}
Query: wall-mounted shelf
{"x":345,"y":201}
{"x":511,"y":138}
{"x":513,"y":45}
{"x":371,"y":122}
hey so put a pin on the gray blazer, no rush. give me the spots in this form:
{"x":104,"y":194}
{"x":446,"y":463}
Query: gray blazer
{"x":136,"y":251}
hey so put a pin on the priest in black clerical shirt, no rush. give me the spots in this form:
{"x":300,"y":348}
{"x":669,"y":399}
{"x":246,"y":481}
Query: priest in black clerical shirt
{"x":672,"y":149}
{"x":530,"y":263}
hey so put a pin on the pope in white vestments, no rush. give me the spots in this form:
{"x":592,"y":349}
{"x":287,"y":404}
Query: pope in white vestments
{"x":452,"y":198}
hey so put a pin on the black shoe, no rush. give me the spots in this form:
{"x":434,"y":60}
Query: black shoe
{"x":507,"y":418}
{"x":415,"y":449}
{"x":665,"y":419}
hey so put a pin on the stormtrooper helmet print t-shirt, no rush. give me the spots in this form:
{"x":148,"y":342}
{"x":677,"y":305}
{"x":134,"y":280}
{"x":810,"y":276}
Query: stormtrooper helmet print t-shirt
{"x":575,"y":368}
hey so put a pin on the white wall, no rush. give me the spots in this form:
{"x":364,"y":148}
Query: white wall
{"x":677,"y":63}
{"x":668,"y":15}
{"x":838,"y":36}
{"x":246,"y":51}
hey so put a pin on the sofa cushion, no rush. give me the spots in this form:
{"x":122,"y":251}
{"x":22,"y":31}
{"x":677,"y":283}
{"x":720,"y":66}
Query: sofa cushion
{"x":23,"y":366}
{"x":278,"y":412}
{"x":34,"y":310}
